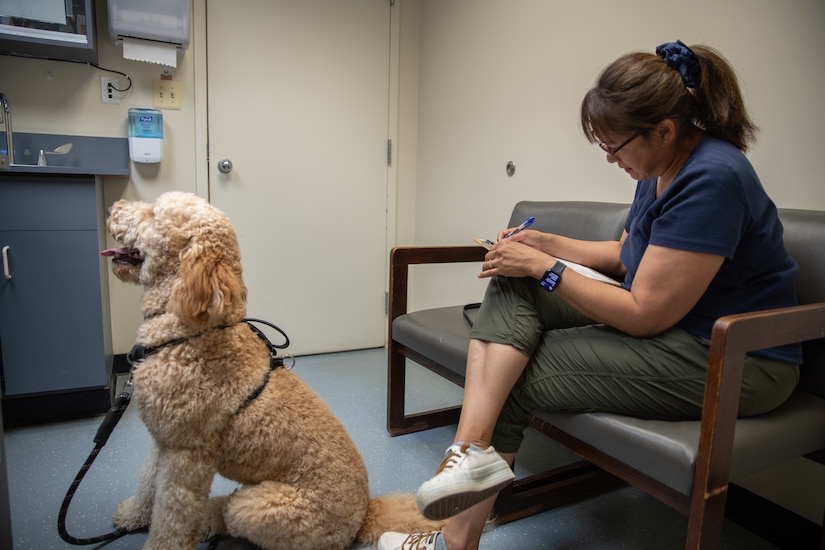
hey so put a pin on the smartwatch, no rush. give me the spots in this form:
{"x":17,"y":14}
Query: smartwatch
{"x":552,"y":276}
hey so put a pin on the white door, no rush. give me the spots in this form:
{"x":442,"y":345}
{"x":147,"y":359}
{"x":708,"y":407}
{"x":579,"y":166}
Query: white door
{"x":298,"y":103}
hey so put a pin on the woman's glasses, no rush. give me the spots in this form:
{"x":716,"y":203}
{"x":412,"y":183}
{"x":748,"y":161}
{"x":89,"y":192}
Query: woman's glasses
{"x":613,"y":150}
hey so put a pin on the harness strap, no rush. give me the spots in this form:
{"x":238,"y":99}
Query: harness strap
{"x":139,"y":352}
{"x":275,"y":362}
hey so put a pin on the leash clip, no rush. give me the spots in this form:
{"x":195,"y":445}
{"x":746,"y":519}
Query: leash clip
{"x":287,"y":362}
{"x":128,"y":387}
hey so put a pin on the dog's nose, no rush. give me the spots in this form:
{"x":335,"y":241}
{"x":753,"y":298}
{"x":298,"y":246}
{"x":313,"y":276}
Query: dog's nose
{"x":108,"y":211}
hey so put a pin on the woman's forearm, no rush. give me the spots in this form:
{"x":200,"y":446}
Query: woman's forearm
{"x":602,"y":256}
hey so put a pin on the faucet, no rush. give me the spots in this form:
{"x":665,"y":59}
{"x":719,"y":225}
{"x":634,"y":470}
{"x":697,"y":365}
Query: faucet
{"x":5,"y":111}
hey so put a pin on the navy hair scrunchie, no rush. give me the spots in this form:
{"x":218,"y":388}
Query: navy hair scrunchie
{"x":681,"y":58}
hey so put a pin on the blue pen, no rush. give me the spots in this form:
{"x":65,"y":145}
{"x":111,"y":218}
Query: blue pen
{"x":527,"y":223}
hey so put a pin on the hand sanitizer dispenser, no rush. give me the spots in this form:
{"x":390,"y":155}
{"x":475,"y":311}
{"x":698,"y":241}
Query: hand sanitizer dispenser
{"x":146,"y":135}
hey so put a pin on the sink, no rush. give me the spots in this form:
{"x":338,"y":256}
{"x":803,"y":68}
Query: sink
{"x":89,"y":154}
{"x":27,"y":148}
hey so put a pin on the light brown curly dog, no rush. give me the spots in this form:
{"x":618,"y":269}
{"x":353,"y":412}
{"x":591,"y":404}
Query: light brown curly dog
{"x":304,"y":483}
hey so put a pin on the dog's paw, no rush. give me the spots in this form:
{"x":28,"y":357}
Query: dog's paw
{"x":129,"y":515}
{"x":213,"y":521}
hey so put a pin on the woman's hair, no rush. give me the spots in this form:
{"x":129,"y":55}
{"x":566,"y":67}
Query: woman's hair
{"x":639,"y":90}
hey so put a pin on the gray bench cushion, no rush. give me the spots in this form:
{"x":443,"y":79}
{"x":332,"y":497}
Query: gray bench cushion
{"x":441,"y":334}
{"x":667,"y":450}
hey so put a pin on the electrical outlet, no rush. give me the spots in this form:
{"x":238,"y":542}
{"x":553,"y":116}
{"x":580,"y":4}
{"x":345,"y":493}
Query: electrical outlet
{"x":167,"y":94}
{"x":108,"y":90}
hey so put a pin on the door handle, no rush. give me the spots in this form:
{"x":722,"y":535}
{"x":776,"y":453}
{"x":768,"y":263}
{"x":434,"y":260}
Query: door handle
{"x":224,"y":166}
{"x":6,"y":271}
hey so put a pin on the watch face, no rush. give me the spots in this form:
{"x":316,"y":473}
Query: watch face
{"x":549,"y":281}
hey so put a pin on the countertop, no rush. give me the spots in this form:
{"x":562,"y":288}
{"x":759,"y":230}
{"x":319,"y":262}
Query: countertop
{"x":90,"y":155}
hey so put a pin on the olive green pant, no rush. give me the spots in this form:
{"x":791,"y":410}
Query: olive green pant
{"x":577,"y":366}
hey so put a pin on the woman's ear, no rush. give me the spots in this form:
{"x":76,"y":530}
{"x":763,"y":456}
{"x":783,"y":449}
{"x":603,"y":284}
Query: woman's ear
{"x":207,"y":288}
{"x":665,"y":131}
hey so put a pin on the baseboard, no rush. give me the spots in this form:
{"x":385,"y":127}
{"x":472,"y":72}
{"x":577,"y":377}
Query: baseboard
{"x":55,"y":407}
{"x":771,"y":521}
{"x":58,"y":406}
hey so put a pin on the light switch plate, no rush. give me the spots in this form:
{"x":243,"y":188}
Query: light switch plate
{"x":166,"y":94}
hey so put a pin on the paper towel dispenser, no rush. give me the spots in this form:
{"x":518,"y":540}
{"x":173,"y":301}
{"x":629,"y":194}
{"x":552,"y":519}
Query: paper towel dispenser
{"x":157,"y":20}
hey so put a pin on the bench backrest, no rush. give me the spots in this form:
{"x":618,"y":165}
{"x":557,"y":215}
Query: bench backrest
{"x":591,"y":221}
{"x":804,"y":238}
{"x":805,"y":241}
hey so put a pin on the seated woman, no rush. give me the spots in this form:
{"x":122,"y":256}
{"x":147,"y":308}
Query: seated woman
{"x":702,"y":240}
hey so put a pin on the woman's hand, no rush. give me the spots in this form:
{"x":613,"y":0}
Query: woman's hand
{"x":529,"y":237}
{"x":517,"y":256}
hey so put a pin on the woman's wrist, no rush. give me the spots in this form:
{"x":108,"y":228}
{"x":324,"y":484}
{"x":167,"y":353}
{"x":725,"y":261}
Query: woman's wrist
{"x":539,"y":268}
{"x":547,"y":243}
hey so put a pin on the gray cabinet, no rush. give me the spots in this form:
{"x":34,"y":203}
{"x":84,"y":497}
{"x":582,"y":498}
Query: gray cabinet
{"x":55,"y":330}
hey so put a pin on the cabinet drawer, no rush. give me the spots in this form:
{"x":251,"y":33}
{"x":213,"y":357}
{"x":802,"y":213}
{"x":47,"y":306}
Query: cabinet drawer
{"x":47,"y":203}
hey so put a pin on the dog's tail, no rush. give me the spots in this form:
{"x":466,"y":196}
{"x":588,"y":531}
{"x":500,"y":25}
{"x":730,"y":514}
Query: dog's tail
{"x":394,"y":512}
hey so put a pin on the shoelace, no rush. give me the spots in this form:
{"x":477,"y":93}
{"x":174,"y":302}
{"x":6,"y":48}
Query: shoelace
{"x":452,"y":459}
{"x":420,"y":540}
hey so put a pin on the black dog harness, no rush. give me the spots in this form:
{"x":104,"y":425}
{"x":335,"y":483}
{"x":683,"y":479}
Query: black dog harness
{"x":275,"y":362}
{"x":139,"y":352}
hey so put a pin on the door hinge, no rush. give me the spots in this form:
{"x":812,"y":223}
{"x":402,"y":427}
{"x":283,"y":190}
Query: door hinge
{"x":386,"y":303}
{"x":392,"y":2}
{"x":389,"y":152}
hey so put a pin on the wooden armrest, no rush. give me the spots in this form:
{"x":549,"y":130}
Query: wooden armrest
{"x":402,"y":257}
{"x":407,"y":255}
{"x":735,"y":335}
{"x":746,"y":332}
{"x":732,"y":337}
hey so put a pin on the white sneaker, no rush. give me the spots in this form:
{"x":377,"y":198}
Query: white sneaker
{"x":464,"y":478}
{"x":403,"y":541}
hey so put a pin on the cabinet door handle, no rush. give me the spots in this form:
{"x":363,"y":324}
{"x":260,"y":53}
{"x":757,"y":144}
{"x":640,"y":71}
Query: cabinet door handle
{"x":6,"y":271}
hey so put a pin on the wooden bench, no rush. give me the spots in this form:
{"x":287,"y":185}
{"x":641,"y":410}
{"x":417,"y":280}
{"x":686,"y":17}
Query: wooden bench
{"x":686,"y":465}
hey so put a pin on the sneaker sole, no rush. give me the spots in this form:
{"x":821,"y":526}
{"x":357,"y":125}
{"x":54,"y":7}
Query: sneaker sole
{"x":449,"y":505}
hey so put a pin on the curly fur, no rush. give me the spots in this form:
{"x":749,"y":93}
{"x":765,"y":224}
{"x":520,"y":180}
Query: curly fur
{"x":304,"y":483}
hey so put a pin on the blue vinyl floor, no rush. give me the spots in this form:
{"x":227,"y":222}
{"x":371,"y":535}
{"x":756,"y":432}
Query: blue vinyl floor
{"x":43,"y":460}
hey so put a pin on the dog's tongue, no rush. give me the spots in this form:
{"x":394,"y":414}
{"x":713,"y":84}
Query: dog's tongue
{"x":131,"y":253}
{"x":115,"y":251}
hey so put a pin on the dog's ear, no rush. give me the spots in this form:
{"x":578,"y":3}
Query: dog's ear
{"x":208,"y":289}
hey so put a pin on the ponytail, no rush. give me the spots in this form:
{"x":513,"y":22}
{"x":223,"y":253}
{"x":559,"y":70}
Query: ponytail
{"x":694,"y":86}
{"x":720,"y":107}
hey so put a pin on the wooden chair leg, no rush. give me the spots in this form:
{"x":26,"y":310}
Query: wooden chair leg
{"x":396,"y":388}
{"x":398,"y":422}
{"x":705,"y":522}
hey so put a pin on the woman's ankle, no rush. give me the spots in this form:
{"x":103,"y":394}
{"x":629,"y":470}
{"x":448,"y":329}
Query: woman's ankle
{"x":475,"y":444}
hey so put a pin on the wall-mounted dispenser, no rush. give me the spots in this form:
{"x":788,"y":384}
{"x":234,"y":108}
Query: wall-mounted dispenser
{"x":151,"y":30}
{"x":145,"y":135}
